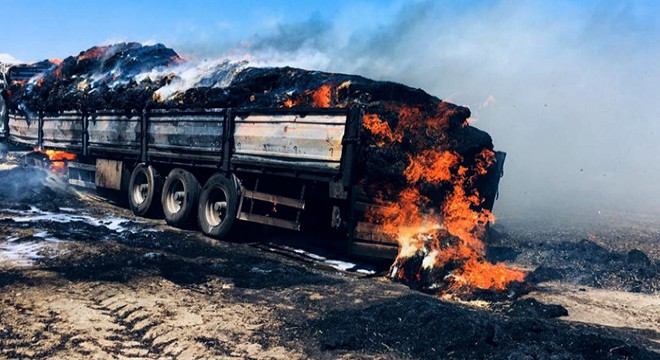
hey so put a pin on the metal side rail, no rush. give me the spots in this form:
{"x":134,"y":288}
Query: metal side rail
{"x":253,"y":195}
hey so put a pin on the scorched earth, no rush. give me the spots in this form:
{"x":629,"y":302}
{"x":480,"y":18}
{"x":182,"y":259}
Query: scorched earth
{"x":82,"y":278}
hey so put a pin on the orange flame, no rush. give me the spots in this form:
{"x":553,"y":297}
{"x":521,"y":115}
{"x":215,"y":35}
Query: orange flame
{"x":412,"y":220}
{"x":291,"y":102}
{"x":58,"y":160}
{"x":431,"y":166}
{"x":380,"y":129}
{"x":449,"y":230}
{"x":320,"y":98}
{"x":485,"y":275}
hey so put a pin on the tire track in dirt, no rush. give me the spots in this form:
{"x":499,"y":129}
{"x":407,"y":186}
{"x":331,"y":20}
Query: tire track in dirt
{"x":130,"y":321}
{"x":147,"y":318}
{"x":28,"y":332}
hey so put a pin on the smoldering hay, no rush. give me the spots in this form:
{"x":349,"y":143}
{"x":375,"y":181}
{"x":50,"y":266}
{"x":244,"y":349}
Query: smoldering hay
{"x":429,"y":171}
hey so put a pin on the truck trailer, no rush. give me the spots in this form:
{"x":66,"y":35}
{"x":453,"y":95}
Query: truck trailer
{"x":292,"y":168}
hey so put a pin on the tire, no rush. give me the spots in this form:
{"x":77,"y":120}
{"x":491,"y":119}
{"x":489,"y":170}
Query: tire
{"x":179,"y":197}
{"x":218,"y":206}
{"x":143,"y":188}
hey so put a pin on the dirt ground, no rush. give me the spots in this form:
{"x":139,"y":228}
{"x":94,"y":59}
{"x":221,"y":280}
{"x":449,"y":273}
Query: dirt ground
{"x":82,"y":278}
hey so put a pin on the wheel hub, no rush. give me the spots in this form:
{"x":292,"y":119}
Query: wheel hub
{"x":215,"y":209}
{"x":141,"y":189}
{"x":176,"y":195}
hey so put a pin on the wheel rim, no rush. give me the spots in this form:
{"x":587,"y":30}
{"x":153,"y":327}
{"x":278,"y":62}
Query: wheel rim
{"x":215,"y":209}
{"x":140,"y":188}
{"x":176,"y":196}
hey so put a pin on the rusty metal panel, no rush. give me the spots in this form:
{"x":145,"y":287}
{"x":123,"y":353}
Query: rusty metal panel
{"x":108,"y":174}
{"x":64,"y":130}
{"x":23,"y":130}
{"x":313,"y":139}
{"x":115,"y":132}
{"x":181,"y":133}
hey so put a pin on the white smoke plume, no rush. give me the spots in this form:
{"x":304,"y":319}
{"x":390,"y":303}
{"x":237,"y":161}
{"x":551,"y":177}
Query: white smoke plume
{"x":569,"y":91}
{"x":189,"y":74}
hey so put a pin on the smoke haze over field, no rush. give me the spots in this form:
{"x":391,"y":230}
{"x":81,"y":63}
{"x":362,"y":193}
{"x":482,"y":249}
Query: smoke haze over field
{"x":569,"y":92}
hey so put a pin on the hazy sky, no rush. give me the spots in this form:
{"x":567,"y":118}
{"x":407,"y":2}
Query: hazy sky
{"x":569,"y":89}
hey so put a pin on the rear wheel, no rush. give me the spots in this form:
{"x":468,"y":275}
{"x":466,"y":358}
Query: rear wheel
{"x":218,"y":205}
{"x":180,"y":196}
{"x":142,"y":189}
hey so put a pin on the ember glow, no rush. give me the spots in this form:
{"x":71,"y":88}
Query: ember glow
{"x":449,"y":237}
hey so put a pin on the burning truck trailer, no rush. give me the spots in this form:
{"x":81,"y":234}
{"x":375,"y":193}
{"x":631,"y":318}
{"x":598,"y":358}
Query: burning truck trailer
{"x":396,"y":172}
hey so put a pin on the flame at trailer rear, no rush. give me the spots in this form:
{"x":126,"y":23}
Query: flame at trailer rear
{"x":450,"y":237}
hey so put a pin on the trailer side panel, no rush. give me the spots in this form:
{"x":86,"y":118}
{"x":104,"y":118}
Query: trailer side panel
{"x":113,"y":133}
{"x":313,"y":140}
{"x":193,"y":136}
{"x":23,"y":130}
{"x":63,"y":131}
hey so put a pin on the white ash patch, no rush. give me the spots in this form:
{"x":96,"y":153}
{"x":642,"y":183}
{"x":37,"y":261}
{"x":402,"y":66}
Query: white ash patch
{"x":20,"y":252}
{"x":112,"y":223}
{"x":25,"y":250}
{"x":341,"y":265}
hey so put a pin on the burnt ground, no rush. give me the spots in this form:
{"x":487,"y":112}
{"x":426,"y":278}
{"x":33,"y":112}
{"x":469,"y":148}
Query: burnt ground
{"x":602,"y":250}
{"x":82,"y":278}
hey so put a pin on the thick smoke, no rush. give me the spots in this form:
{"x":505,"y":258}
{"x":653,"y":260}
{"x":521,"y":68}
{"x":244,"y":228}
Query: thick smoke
{"x":568,"y":91}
